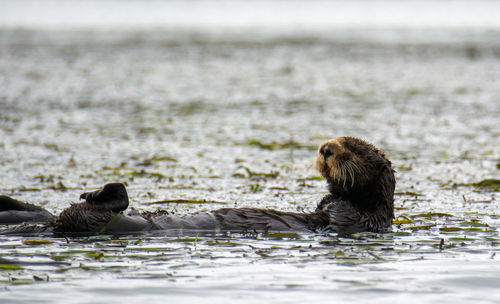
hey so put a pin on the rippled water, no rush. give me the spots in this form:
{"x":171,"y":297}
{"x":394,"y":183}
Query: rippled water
{"x":233,"y":118}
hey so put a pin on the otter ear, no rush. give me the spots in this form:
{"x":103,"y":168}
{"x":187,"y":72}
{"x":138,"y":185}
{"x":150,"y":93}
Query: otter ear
{"x":384,"y":162}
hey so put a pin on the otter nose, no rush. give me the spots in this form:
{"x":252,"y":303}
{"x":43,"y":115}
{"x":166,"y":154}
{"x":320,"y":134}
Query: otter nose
{"x":326,"y":151}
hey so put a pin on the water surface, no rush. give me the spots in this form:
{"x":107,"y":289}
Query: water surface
{"x":229,"y":116}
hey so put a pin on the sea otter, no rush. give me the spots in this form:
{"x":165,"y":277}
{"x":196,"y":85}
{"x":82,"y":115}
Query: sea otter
{"x":361,"y":189}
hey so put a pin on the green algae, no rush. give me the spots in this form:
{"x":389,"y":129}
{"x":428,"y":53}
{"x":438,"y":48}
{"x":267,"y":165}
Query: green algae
{"x":462,"y":239}
{"x":184,"y":240}
{"x":143,"y":173}
{"x":151,"y":160}
{"x":409,"y":193}
{"x":255,"y":188}
{"x":256,"y":175}
{"x":273,"y":146}
{"x":473,"y":224}
{"x":312,"y":178}
{"x":153,"y":249}
{"x":418,"y":227}
{"x":37,"y":242}
{"x":402,"y":220}
{"x":185,"y":201}
{"x":430,"y":215}
{"x":488,"y":184}
{"x":15,"y":281}
{"x":450,"y":229}
{"x":98,"y":255}
{"x":282,"y":235}
{"x":10,"y":267}
{"x":222,"y":243}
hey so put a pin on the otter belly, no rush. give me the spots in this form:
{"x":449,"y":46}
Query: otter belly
{"x":233,"y":219}
{"x":202,"y":221}
{"x":261,"y":220}
{"x":126,"y":224}
{"x":228,"y":219}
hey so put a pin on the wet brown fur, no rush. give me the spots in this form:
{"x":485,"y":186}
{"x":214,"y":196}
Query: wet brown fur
{"x":352,"y":164}
{"x":359,"y":173}
{"x":82,"y":218}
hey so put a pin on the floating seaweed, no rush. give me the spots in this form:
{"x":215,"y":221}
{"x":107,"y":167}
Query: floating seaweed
{"x":273,"y":146}
{"x":185,"y":201}
{"x":488,"y":184}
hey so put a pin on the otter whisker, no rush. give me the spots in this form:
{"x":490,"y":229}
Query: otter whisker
{"x":334,"y":172}
{"x":348,"y":172}
{"x":354,"y":166}
{"x":325,"y":170}
{"x":354,"y":170}
{"x":343,"y":175}
{"x":346,"y":175}
{"x":338,"y":174}
{"x":351,"y":173}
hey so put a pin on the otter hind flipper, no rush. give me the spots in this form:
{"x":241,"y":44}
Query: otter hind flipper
{"x":112,"y":197}
{"x":7,"y":203}
{"x":14,"y":212}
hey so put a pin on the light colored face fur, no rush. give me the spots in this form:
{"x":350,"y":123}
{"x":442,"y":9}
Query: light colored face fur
{"x":342,"y":165}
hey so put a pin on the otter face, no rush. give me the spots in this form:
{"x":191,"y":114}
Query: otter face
{"x":350,"y":163}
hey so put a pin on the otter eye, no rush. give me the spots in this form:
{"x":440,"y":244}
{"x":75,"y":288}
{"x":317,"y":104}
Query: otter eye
{"x":326,"y":151}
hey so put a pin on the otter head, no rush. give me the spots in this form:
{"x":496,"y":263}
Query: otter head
{"x":356,"y":170}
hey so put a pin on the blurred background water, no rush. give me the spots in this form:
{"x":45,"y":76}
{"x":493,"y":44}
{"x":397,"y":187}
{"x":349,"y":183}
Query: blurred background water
{"x":225,"y":101}
{"x":230,"y":15}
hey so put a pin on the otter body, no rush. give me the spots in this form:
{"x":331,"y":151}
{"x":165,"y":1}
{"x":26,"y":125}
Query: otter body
{"x":360,"y":181}
{"x":245,"y":220}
